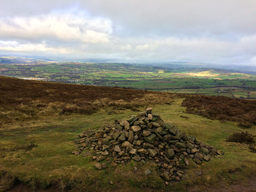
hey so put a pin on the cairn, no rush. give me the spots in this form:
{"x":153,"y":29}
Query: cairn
{"x":146,"y":137}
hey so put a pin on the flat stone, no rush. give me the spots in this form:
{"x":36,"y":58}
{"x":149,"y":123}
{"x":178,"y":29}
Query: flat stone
{"x":194,"y":150}
{"x":75,"y":152}
{"x":197,"y":161}
{"x":125,"y":124}
{"x":116,"y":135}
{"x":190,"y":146}
{"x":133,"y":151}
{"x":150,"y":138}
{"x":204,"y":150}
{"x":152,"y":152}
{"x":207,"y":157}
{"x":219,"y":152}
{"x":138,"y":142}
{"x":160,"y":130}
{"x":150,"y":117}
{"x":199,"y":156}
{"x":130,"y":136}
{"x":170,"y":153}
{"x":117,"y":149}
{"x":105,"y":153}
{"x":148,"y":145}
{"x":155,"y":124}
{"x":98,"y":166}
{"x":132,"y":119}
{"x":180,"y":145}
{"x":118,"y":127}
{"x":135,"y":128}
{"x":127,"y":144}
{"x":146,"y":133}
{"x":172,"y":129}
{"x":147,"y":172}
{"x":122,"y":137}
{"x":165,"y":176}
{"x":149,"y":110}
{"x":186,"y":161}
{"x":143,"y":151}
{"x":136,"y":158}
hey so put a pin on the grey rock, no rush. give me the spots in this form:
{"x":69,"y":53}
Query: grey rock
{"x":150,"y":138}
{"x":160,"y":131}
{"x":180,"y":145}
{"x":199,"y":156}
{"x":122,"y":137}
{"x":204,"y":150}
{"x":150,"y":117}
{"x":136,"y":158}
{"x":116,"y":135}
{"x":138,"y":142}
{"x":98,"y":166}
{"x":194,"y":150}
{"x":165,"y":176}
{"x":155,"y":124}
{"x":133,"y":151}
{"x":170,"y":153}
{"x":127,"y":144}
{"x":132,"y":119}
{"x":135,"y":128}
{"x":146,"y":133}
{"x":147,"y":172}
{"x":125,"y":124}
{"x":143,"y":151}
{"x":105,"y":153}
{"x":207,"y":157}
{"x":117,"y":149}
{"x":149,"y":110}
{"x":148,"y":145}
{"x":152,"y":152}
{"x":172,"y":129}
{"x":130,"y":136}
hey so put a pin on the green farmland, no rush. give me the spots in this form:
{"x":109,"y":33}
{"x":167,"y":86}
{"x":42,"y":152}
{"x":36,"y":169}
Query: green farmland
{"x":176,"y":80}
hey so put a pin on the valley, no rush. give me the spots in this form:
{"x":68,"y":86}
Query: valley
{"x":172,"y":79}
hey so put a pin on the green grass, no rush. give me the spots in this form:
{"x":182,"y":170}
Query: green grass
{"x":182,"y":80}
{"x":51,"y":161}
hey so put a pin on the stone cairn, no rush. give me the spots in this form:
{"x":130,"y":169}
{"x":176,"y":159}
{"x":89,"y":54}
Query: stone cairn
{"x":146,"y":137}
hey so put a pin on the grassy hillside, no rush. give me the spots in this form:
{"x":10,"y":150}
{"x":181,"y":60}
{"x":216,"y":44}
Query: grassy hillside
{"x":40,"y":122}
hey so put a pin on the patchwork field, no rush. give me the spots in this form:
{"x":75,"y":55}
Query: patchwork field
{"x":170,"y":79}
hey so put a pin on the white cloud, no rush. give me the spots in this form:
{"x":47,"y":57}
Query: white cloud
{"x":14,"y":46}
{"x":63,"y":27}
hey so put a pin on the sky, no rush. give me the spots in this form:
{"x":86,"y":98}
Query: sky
{"x":221,"y":32}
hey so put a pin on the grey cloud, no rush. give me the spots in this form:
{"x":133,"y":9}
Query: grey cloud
{"x":164,"y":17}
{"x":219,"y":31}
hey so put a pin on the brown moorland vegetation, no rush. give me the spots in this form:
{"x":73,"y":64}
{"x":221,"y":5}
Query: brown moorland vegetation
{"x":25,"y":99}
{"x":223,"y":108}
{"x":37,"y":155}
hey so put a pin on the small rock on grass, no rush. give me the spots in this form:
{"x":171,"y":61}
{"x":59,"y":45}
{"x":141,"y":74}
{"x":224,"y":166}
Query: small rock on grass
{"x":98,"y":166}
{"x":147,"y":172}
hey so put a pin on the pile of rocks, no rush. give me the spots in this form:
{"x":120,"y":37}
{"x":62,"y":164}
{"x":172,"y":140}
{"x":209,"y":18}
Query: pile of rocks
{"x":147,"y":137}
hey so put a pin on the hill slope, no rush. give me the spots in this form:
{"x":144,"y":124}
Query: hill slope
{"x":40,"y":122}
{"x":24,"y":99}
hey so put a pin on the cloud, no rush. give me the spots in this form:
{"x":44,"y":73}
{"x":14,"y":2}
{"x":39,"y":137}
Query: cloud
{"x":14,"y":46}
{"x":199,"y":31}
{"x":58,"y":27}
